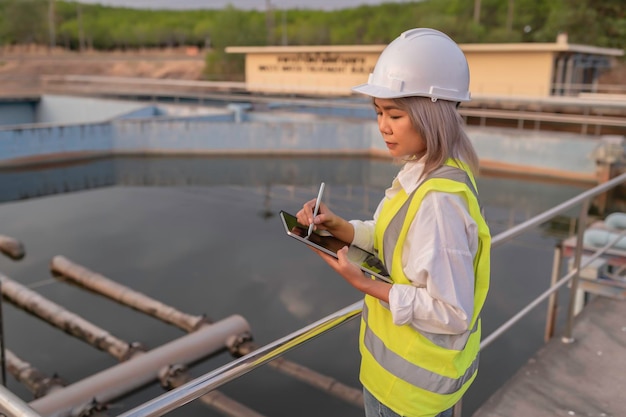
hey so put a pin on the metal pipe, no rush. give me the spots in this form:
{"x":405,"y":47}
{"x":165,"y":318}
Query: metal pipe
{"x":12,"y":406}
{"x":212,"y":380}
{"x":214,"y":399}
{"x":71,"y":323}
{"x":315,"y":379}
{"x":100,"y":284}
{"x":36,"y":382}
{"x":11,"y":247}
{"x":97,"y":283}
{"x":225,"y":405}
{"x":125,"y":377}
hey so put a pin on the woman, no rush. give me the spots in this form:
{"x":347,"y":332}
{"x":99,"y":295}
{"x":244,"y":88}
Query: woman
{"x":420,"y":336}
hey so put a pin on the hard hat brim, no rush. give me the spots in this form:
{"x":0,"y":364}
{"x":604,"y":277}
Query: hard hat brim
{"x":379,"y":92}
{"x":384,"y":92}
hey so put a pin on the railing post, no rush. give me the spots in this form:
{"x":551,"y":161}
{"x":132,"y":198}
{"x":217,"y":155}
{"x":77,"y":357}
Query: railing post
{"x":553,"y":300}
{"x":582,"y":222}
{"x":2,"y":348}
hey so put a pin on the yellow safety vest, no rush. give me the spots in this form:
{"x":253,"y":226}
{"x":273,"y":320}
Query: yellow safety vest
{"x":416,"y":373}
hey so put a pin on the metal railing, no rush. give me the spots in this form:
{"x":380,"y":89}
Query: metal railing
{"x":218,"y":377}
{"x":588,"y":113}
{"x":583,"y":199}
{"x":595,"y":115}
{"x":589,"y":124}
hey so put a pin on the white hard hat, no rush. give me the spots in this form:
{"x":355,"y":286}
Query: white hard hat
{"x":420,"y":62}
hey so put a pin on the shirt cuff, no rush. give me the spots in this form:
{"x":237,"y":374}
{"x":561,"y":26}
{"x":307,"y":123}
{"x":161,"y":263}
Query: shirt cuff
{"x":362,"y":237}
{"x":401,"y":304}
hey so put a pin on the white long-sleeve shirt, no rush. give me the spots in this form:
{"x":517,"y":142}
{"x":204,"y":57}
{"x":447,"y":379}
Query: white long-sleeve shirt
{"x":437,"y":258}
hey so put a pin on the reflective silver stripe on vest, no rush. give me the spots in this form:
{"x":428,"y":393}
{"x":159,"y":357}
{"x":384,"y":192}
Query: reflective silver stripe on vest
{"x":446,"y":341}
{"x":455,"y":174}
{"x":390,"y":238}
{"x":450,"y":341}
{"x":392,"y":232}
{"x":409,"y":372}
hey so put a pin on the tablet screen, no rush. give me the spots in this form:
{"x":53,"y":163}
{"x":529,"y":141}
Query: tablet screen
{"x":368,"y":262}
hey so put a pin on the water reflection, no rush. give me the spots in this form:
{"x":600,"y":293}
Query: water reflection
{"x":200,"y":234}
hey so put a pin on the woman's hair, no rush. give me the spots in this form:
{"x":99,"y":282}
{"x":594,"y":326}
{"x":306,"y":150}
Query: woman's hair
{"x":441,"y":127}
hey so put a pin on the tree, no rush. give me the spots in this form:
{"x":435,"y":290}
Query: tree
{"x":25,"y":21}
{"x":233,"y":28}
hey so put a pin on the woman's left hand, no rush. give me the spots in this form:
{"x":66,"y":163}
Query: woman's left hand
{"x":349,"y":271}
{"x":354,"y":276}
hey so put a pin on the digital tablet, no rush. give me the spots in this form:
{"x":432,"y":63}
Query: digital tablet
{"x":368,"y":262}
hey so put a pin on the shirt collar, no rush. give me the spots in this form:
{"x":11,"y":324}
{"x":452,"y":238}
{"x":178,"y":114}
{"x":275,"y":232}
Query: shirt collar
{"x":409,"y":175}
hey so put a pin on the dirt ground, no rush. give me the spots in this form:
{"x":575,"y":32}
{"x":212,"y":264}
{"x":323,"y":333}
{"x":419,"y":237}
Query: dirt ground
{"x":184,"y":64}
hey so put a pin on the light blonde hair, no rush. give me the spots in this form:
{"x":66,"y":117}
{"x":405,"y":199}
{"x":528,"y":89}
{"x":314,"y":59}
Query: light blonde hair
{"x":441,"y":127}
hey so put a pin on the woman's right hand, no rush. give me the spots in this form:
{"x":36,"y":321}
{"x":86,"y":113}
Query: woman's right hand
{"x":325,"y":220}
{"x":324,"y":215}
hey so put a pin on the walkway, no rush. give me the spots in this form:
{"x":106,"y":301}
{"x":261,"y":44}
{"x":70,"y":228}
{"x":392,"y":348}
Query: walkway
{"x":585,"y":378}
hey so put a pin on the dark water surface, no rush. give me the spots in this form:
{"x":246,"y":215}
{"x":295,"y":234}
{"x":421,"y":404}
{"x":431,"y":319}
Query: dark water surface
{"x":203,"y":235}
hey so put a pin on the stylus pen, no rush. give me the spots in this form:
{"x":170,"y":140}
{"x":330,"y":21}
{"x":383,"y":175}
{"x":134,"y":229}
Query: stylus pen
{"x":316,"y":209}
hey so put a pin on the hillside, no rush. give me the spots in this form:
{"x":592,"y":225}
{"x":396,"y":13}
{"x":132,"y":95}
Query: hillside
{"x":20,"y":69}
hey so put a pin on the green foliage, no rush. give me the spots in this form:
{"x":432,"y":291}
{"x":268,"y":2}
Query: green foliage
{"x":24,"y":21}
{"x":77,"y":26}
{"x":232,"y":28}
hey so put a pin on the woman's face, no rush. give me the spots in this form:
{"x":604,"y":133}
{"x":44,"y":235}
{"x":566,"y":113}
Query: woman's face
{"x":398,"y":133}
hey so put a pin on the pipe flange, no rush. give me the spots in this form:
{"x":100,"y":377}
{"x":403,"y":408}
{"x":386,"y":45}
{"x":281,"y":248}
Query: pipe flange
{"x":169,"y":375}
{"x":236,"y":342}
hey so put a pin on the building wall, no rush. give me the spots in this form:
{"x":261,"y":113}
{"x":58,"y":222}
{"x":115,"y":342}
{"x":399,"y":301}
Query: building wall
{"x":510,"y":74}
{"x":323,"y":73}
{"x":516,"y":69}
{"x":492,"y":73}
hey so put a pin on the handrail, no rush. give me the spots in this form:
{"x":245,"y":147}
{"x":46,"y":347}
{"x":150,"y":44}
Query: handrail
{"x":550,"y":213}
{"x":544,"y":116}
{"x":564,"y":280}
{"x":509,"y":234}
{"x":591,"y":101}
{"x":207,"y":382}
{"x":212,"y":380}
{"x":12,"y":405}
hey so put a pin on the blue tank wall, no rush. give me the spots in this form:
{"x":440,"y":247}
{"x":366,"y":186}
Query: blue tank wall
{"x":142,"y":130}
{"x":545,"y":151}
{"x":41,"y":143}
{"x":15,"y":112}
{"x":69,"y":110}
{"x":201,"y":136}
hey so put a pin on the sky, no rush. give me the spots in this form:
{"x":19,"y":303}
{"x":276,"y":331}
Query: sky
{"x":241,"y":4}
